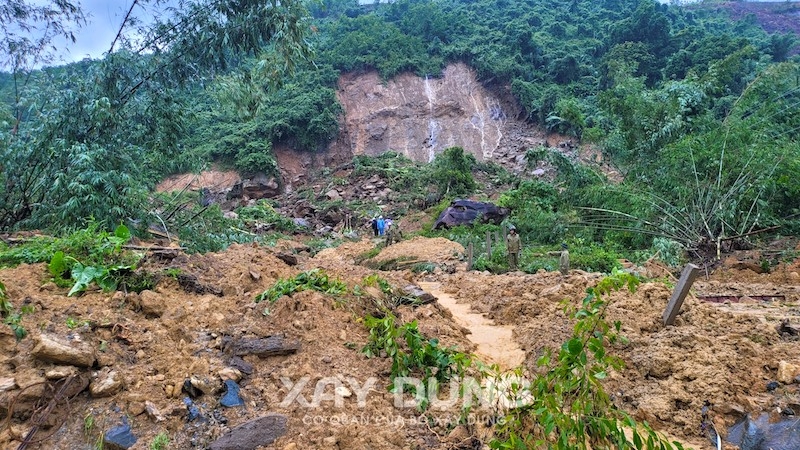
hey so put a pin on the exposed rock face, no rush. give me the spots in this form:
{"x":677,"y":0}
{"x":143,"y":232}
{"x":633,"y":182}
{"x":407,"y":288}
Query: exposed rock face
{"x":420,"y":117}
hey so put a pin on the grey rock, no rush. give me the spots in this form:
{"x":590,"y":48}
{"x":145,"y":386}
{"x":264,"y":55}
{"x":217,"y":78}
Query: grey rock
{"x":120,"y":437}
{"x":253,"y":434}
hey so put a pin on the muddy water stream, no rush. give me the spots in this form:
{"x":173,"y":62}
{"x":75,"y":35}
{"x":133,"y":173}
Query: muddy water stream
{"x":495,"y":344}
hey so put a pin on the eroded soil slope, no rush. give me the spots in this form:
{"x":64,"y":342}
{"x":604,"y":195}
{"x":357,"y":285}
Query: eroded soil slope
{"x":202,"y":325}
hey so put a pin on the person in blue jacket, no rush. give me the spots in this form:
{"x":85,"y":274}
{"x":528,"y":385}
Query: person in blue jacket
{"x":381,"y":226}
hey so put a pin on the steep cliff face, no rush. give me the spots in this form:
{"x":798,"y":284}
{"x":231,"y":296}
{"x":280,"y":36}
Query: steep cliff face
{"x":420,"y":117}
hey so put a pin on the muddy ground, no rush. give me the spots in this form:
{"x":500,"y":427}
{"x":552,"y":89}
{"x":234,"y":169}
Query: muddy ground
{"x":146,"y":345}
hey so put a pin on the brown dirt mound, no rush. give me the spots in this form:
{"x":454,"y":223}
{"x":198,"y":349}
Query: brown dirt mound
{"x":436,"y":250}
{"x":154,"y":341}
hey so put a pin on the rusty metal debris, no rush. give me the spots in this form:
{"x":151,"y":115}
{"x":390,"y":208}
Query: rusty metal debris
{"x":50,"y":410}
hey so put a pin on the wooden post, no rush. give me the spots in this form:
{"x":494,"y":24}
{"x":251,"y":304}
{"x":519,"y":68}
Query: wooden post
{"x":489,"y":245}
{"x":689,"y":274}
{"x":469,"y":256}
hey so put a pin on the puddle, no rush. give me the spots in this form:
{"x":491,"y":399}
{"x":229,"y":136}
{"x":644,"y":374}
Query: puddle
{"x":762,"y":433}
{"x":495,"y":344}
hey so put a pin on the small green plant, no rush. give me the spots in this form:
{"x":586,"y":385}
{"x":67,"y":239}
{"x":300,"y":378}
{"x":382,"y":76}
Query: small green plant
{"x":173,"y":272}
{"x":369,"y":254}
{"x":428,"y":267}
{"x":411,"y":353}
{"x":5,"y":306}
{"x":263,"y":217}
{"x":88,"y":424}
{"x":100,"y":261}
{"x":160,"y":442}
{"x":569,"y":408}
{"x":73,"y":323}
{"x":11,"y":317}
{"x":314,"y":279}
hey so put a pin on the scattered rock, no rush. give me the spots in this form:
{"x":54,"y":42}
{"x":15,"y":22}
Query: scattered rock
{"x":205,"y":385}
{"x":60,"y":372}
{"x":287,"y":258}
{"x":420,"y":296}
{"x":330,"y":441}
{"x":7,"y":384}
{"x":333,"y":195}
{"x":243,"y":366}
{"x":191,"y":284}
{"x":190,"y":389}
{"x":194,"y":411}
{"x":231,"y":398}
{"x":342,"y":391}
{"x":230,"y":373}
{"x":459,"y":434}
{"x":772,"y":385}
{"x":120,"y":437}
{"x":250,"y":435}
{"x":260,"y":186}
{"x":56,"y":350}
{"x":153,"y":412}
{"x":152,"y":304}
{"x":787,"y":372}
{"x":106,"y":384}
{"x":136,"y":408}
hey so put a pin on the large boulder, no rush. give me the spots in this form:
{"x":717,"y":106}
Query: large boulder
{"x":258,"y":187}
{"x":466,"y":212}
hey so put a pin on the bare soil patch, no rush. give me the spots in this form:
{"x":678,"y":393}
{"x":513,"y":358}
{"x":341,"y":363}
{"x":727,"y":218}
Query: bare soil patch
{"x":156,"y":341}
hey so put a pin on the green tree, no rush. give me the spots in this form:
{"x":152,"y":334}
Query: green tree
{"x":92,"y":130}
{"x":452,"y":172}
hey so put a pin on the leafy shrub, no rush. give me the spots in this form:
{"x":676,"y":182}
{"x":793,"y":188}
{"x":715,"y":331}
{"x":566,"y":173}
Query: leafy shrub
{"x":569,"y":408}
{"x":593,"y":258}
{"x":262,"y":213}
{"x":314,"y":279}
{"x":106,"y":272}
{"x":11,"y":317}
{"x":419,"y":356}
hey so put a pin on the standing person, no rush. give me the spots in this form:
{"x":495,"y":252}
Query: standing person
{"x":513,"y":245}
{"x":393,"y":234}
{"x":381,"y":226}
{"x":563,"y":259}
{"x":374,"y":224}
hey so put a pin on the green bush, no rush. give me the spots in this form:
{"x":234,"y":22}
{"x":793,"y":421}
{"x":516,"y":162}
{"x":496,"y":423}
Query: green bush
{"x":593,"y":258}
{"x":315,"y":280}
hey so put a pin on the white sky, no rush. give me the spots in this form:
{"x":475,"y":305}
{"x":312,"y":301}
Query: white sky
{"x":104,"y":18}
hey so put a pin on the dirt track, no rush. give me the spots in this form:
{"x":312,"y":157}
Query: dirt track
{"x":156,"y":341}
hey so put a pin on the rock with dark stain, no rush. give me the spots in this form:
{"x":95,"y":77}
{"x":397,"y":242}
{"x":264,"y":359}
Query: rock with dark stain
{"x":253,"y":434}
{"x":269,"y":346}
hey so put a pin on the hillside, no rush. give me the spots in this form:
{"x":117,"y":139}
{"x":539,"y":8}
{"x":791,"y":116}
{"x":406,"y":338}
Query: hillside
{"x":774,"y":17}
{"x":186,"y":257}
